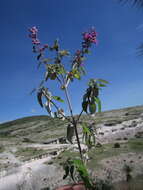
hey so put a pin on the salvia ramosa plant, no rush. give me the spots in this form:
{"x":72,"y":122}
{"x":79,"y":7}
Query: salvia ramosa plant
{"x":55,"y":70}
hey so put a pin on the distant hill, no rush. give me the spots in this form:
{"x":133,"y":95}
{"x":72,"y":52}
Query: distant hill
{"x":42,"y":128}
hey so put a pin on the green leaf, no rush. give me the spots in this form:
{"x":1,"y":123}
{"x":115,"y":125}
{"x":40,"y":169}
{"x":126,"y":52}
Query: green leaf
{"x":66,"y":168}
{"x":39,"y":56}
{"x":82,"y":70}
{"x":95,"y":91}
{"x":39,"y":97}
{"x":77,"y":76}
{"x":46,"y":60}
{"x":57,"y":98}
{"x":61,"y":70}
{"x":56,"y":45}
{"x":80,"y":167}
{"x":70,"y":133}
{"x":97,"y":100}
{"x":92,"y":108}
{"x":102,"y":81}
{"x":72,"y":172}
{"x":85,"y":106}
{"x":85,"y":128}
{"x":64,"y":53}
{"x":101,"y":85}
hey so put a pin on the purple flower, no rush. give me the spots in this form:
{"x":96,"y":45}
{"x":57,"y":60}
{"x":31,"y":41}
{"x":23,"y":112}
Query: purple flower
{"x":35,"y":41}
{"x":33,"y":29}
{"x":33,"y":35}
{"x":46,"y":46}
{"x":89,"y":37}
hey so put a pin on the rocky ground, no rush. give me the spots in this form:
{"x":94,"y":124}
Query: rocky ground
{"x":30,"y":158}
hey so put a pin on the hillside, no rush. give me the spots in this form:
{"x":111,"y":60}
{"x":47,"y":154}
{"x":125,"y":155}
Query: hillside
{"x":43,"y":128}
{"x":31,"y":143}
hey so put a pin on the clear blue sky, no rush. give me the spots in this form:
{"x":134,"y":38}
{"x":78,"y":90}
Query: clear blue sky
{"x":120,"y":31}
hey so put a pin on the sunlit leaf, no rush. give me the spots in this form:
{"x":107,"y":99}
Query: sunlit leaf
{"x":97,"y":100}
{"x":92,"y":108}
{"x":64,"y":53}
{"x":102,"y":81}
{"x":57,"y":98}
{"x":85,"y":129}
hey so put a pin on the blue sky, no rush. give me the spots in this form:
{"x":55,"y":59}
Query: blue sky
{"x":120,"y":30}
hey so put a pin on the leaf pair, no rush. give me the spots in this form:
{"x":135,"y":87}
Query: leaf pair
{"x":76,"y":167}
{"x":88,"y":135}
{"x":69,"y":169}
{"x":90,"y":99}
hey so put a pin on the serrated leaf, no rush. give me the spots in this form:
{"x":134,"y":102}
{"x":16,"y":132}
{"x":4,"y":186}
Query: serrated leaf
{"x":57,"y":98}
{"x":97,"y":100}
{"x":85,"y":106}
{"x":92,"y":108}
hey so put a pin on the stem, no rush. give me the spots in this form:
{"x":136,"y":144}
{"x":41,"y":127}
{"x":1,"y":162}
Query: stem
{"x":56,"y":107}
{"x":79,"y":115}
{"x":74,"y":122}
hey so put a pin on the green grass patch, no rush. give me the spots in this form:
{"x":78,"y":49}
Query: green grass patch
{"x":136,"y":145}
{"x":106,"y":151}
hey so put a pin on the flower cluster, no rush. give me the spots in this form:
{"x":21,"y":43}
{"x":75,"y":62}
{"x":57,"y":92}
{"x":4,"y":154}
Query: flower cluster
{"x":33,"y":35}
{"x":89,"y":38}
{"x":35,"y":41}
